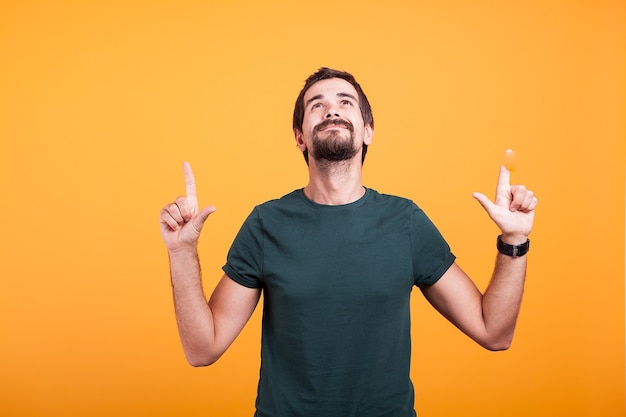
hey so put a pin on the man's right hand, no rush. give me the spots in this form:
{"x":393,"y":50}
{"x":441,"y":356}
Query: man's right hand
{"x":181,"y":222}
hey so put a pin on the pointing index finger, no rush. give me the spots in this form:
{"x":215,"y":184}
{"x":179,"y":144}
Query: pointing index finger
{"x":504,"y":178}
{"x":503,"y":189}
{"x":508,"y":165}
{"x":190,"y":187}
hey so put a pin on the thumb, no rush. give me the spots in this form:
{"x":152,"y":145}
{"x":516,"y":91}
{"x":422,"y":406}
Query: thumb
{"x":483,"y":200}
{"x":198,"y":221}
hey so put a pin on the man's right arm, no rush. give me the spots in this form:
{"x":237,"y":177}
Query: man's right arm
{"x":206,"y":329}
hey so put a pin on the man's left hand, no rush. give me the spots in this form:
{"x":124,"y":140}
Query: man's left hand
{"x":513,"y":209}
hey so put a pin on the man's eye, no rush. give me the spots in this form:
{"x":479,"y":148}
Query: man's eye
{"x":346,"y":103}
{"x":316,"y":105}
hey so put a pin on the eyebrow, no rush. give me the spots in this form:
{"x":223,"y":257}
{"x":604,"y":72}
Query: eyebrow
{"x":319,"y":96}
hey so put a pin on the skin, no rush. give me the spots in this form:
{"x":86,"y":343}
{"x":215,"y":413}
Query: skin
{"x":340,"y":182}
{"x":207,"y":329}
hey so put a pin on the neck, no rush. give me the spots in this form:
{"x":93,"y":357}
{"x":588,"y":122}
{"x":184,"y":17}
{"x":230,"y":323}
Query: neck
{"x":335,"y":183}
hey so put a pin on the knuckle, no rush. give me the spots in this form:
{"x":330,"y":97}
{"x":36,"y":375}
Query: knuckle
{"x":172,"y":208}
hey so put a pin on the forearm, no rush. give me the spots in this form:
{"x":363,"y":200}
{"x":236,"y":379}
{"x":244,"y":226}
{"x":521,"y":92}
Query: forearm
{"x":502,"y":299}
{"x":490,"y":318}
{"x":193,"y":314}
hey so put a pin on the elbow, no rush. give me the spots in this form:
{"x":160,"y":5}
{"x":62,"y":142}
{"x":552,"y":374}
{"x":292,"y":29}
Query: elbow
{"x":199,"y":361}
{"x":497,"y":345}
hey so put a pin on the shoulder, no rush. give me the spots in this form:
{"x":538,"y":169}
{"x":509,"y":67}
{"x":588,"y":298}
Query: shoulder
{"x":392,"y":202}
{"x":400,"y":209}
{"x":288,"y":202}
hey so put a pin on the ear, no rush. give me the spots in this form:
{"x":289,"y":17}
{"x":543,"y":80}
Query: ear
{"x":368,"y":135}
{"x":299,"y":137}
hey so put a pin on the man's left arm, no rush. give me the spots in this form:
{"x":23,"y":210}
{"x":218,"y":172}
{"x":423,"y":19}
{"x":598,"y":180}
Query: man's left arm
{"x":490,"y":318}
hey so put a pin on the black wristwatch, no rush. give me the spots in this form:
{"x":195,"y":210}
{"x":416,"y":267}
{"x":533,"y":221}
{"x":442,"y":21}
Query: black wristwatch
{"x":513,"y":250}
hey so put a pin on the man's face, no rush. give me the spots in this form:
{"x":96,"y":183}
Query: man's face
{"x":332,"y":128}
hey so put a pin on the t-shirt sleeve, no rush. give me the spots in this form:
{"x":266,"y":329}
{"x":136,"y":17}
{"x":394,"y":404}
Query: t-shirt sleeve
{"x":431,"y":254}
{"x":244,"y":262}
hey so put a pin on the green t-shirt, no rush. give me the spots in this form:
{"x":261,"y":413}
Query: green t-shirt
{"x":337,"y":282}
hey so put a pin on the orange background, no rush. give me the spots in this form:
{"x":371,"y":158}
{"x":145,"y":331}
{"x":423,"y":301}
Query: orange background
{"x":100,"y":102}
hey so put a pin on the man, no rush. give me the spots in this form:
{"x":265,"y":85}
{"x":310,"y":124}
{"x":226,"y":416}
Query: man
{"x":337,"y":263}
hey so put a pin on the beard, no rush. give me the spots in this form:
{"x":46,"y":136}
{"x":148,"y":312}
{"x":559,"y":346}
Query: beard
{"x":336,"y":146}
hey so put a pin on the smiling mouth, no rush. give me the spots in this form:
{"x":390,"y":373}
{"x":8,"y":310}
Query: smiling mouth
{"x":333,"y":127}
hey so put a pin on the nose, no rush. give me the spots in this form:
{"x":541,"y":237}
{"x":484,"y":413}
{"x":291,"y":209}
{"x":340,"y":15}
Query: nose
{"x":332,"y":113}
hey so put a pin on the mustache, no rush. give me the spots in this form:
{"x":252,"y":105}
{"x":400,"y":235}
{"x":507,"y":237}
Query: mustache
{"x":333,"y":122}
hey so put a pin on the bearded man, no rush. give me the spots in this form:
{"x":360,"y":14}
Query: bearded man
{"x":337,"y":263}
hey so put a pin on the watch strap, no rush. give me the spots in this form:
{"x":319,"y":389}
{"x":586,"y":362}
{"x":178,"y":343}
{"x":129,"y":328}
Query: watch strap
{"x":512,"y":250}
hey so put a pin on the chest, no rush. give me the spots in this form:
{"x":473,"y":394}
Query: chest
{"x":337,"y":264}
